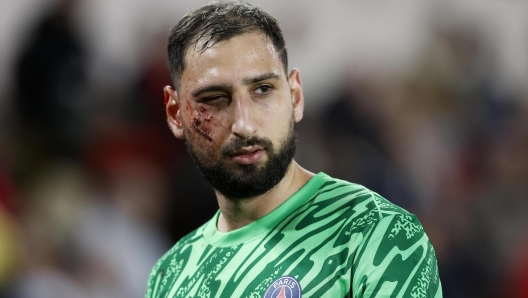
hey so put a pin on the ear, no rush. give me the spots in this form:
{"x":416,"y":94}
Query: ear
{"x":172,"y":107}
{"x":297,"y":94}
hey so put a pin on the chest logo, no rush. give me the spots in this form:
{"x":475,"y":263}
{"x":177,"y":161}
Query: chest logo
{"x":284,"y":287}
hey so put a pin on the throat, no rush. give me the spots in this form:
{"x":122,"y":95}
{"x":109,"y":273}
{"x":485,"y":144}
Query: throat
{"x":239,"y":213}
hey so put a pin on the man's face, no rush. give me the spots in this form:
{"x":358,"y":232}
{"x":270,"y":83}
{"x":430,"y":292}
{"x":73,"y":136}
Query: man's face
{"x":237,"y":109}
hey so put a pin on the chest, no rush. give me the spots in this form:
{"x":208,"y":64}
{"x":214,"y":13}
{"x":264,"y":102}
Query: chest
{"x":268,"y":267}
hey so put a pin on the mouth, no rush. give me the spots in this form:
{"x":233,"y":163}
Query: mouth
{"x":246,"y":150}
{"x":247,"y":155}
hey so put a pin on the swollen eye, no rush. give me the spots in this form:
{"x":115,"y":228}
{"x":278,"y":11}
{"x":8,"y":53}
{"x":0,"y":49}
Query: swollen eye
{"x":213,"y":98}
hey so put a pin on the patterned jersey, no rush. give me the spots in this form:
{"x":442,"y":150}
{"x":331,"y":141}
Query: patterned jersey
{"x":330,"y":239}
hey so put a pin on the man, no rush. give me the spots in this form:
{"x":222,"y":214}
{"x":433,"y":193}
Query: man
{"x":281,"y":230}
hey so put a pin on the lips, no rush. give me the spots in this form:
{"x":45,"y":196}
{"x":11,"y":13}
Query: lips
{"x":248,"y":156}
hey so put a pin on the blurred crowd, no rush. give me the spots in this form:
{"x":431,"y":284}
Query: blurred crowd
{"x":94,"y":188}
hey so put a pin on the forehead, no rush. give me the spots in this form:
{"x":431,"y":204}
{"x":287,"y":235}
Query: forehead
{"x":242,"y":56}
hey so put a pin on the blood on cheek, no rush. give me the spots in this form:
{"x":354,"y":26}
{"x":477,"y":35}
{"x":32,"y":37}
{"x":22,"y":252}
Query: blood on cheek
{"x":202,"y":123}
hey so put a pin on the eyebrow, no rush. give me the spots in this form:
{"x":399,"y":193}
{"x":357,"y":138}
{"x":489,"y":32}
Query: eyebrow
{"x":227,"y":87}
{"x":263,"y":77}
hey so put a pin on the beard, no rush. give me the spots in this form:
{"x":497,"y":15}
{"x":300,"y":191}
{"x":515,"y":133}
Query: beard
{"x":237,"y":181}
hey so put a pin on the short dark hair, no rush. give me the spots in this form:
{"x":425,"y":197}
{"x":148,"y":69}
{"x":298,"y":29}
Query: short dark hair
{"x":218,"y":21}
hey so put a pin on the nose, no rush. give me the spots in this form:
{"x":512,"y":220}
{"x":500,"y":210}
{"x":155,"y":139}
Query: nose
{"x":243,"y":118}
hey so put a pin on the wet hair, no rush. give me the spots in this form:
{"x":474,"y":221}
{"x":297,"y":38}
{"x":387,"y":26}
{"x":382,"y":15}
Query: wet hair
{"x":219,"y":21}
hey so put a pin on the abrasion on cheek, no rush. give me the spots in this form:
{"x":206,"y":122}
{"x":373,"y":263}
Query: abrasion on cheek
{"x":200,"y":121}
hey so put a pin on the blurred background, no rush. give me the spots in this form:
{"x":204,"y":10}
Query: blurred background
{"x":425,"y":102}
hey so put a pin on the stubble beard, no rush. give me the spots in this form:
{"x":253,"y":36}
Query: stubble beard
{"x":237,"y":181}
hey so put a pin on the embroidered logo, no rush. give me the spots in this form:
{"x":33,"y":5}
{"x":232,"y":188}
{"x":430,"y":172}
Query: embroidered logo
{"x":284,"y":287}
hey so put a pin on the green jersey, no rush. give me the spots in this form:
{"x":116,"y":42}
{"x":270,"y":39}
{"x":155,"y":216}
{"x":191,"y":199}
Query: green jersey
{"x":330,"y":239}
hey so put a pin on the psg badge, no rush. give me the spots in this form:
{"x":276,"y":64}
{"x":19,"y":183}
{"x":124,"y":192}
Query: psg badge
{"x":284,"y":287}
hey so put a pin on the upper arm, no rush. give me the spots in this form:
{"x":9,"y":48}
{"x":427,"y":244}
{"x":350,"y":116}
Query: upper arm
{"x":396,"y":259}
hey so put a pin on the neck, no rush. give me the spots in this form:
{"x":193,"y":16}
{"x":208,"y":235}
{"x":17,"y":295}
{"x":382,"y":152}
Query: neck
{"x":238,"y":213}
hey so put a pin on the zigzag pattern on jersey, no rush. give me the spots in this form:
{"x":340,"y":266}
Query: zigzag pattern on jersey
{"x":341,"y":218}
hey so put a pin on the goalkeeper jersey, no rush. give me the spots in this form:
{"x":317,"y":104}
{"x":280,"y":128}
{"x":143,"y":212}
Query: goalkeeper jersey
{"x":332,"y":239}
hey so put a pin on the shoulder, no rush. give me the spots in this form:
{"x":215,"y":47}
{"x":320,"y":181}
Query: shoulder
{"x":361,"y":201}
{"x":390,"y":243}
{"x":174,"y":258}
{"x":367,"y":213}
{"x":179,"y":248}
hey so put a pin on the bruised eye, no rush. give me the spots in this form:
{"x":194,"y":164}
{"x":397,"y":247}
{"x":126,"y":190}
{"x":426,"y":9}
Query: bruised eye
{"x":263,"y":89}
{"x":210,"y":99}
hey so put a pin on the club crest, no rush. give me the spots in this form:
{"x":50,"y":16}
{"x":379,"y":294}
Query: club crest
{"x":284,"y":287}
